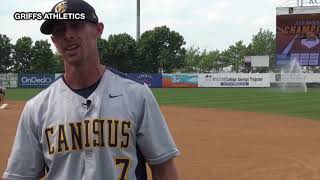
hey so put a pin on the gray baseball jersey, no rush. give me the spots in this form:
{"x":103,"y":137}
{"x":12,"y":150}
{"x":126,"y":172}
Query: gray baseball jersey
{"x":90,"y":139}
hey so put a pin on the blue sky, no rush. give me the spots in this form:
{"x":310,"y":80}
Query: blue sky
{"x":209,"y":24}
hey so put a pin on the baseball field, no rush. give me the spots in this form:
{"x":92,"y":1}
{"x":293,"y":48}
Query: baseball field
{"x":224,"y":134}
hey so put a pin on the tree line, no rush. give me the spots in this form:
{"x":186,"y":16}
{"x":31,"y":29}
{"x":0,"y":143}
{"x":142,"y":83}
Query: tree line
{"x":159,"y":50}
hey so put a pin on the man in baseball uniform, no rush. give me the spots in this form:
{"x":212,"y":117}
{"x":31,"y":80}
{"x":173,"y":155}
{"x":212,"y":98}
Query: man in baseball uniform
{"x":2,"y":94}
{"x":92,"y":123}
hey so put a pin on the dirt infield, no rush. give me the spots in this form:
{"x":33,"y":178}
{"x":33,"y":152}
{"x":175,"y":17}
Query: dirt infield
{"x":224,"y":145}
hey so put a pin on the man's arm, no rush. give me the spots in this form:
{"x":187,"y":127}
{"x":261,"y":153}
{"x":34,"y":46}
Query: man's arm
{"x":165,"y":171}
{"x":26,"y":161}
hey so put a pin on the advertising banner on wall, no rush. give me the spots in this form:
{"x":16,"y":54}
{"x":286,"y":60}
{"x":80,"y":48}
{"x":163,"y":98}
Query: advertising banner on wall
{"x":234,"y":80}
{"x":9,"y":80}
{"x":312,"y":77}
{"x":296,"y":78}
{"x":152,"y":80}
{"x":179,"y":80}
{"x":35,"y":80}
{"x":297,"y":38}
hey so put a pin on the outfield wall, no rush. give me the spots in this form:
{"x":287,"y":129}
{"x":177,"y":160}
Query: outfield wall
{"x":176,"y":80}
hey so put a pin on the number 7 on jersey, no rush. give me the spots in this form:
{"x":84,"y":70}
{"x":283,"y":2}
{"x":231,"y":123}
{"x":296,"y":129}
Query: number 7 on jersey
{"x":123,"y":163}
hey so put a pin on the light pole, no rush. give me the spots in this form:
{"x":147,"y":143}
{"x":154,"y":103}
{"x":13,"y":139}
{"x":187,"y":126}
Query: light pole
{"x":138,"y":20}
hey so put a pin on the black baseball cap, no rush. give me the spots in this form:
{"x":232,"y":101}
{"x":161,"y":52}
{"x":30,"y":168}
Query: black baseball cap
{"x":69,"y":6}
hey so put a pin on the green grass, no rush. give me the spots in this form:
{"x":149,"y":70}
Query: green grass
{"x":21,"y":94}
{"x":269,"y":100}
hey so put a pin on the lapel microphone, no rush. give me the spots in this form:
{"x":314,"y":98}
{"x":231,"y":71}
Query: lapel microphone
{"x":87,"y":103}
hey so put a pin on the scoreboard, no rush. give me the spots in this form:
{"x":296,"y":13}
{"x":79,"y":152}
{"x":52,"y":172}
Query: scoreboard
{"x":298,"y":35}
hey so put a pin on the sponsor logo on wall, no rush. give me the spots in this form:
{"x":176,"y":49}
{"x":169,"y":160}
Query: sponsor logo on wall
{"x":9,"y":80}
{"x":151,"y":80}
{"x":35,"y":80}
{"x":234,"y":80}
{"x":180,"y":80}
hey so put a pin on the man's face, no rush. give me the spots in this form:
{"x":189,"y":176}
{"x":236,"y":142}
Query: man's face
{"x":76,"y":40}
